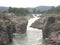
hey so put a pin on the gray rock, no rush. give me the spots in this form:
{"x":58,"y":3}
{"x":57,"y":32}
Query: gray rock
{"x":39,"y":23}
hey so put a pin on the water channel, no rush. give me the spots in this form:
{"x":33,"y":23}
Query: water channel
{"x":33,"y":36}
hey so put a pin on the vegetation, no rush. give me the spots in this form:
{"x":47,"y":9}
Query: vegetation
{"x":21,"y":11}
{"x":55,"y":10}
{"x":36,"y":11}
{"x":24,"y":11}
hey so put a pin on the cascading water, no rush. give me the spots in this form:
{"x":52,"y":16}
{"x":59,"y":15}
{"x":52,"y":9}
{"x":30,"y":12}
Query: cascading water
{"x":32,"y":37}
{"x":30,"y":21}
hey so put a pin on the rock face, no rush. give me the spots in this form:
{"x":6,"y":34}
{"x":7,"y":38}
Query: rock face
{"x":51,"y":30}
{"x":6,"y":31}
{"x":21,"y":26}
{"x":49,"y":26}
{"x":54,"y":38}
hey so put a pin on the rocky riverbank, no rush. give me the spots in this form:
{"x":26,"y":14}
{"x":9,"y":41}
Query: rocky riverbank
{"x":9,"y":24}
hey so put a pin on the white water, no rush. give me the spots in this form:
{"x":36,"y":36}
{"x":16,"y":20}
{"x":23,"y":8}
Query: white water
{"x":32,"y":20}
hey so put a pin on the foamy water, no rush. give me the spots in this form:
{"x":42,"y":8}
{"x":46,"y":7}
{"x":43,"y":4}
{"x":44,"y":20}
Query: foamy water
{"x":32,"y":20}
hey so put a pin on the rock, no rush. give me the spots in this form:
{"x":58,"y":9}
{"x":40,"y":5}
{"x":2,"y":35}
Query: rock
{"x":20,"y":24}
{"x":5,"y":31}
{"x":38,"y":23}
{"x":47,"y":29}
{"x":23,"y":28}
{"x":52,"y":24}
{"x":54,"y":38}
{"x":10,"y":25}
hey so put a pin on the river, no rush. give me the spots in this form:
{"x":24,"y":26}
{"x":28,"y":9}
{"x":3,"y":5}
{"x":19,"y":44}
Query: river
{"x":32,"y":37}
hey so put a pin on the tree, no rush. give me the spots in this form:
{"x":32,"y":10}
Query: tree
{"x":54,"y":10}
{"x":34,"y":10}
{"x":38,"y":11}
{"x":58,"y":9}
{"x":22,"y":11}
{"x":10,"y":9}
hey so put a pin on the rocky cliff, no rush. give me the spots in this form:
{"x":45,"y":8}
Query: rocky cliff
{"x":51,"y":30}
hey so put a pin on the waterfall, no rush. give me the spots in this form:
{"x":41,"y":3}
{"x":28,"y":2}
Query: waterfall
{"x":32,"y":20}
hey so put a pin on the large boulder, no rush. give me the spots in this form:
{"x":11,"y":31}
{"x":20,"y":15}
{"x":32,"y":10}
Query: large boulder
{"x":20,"y":24}
{"x":21,"y":27}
